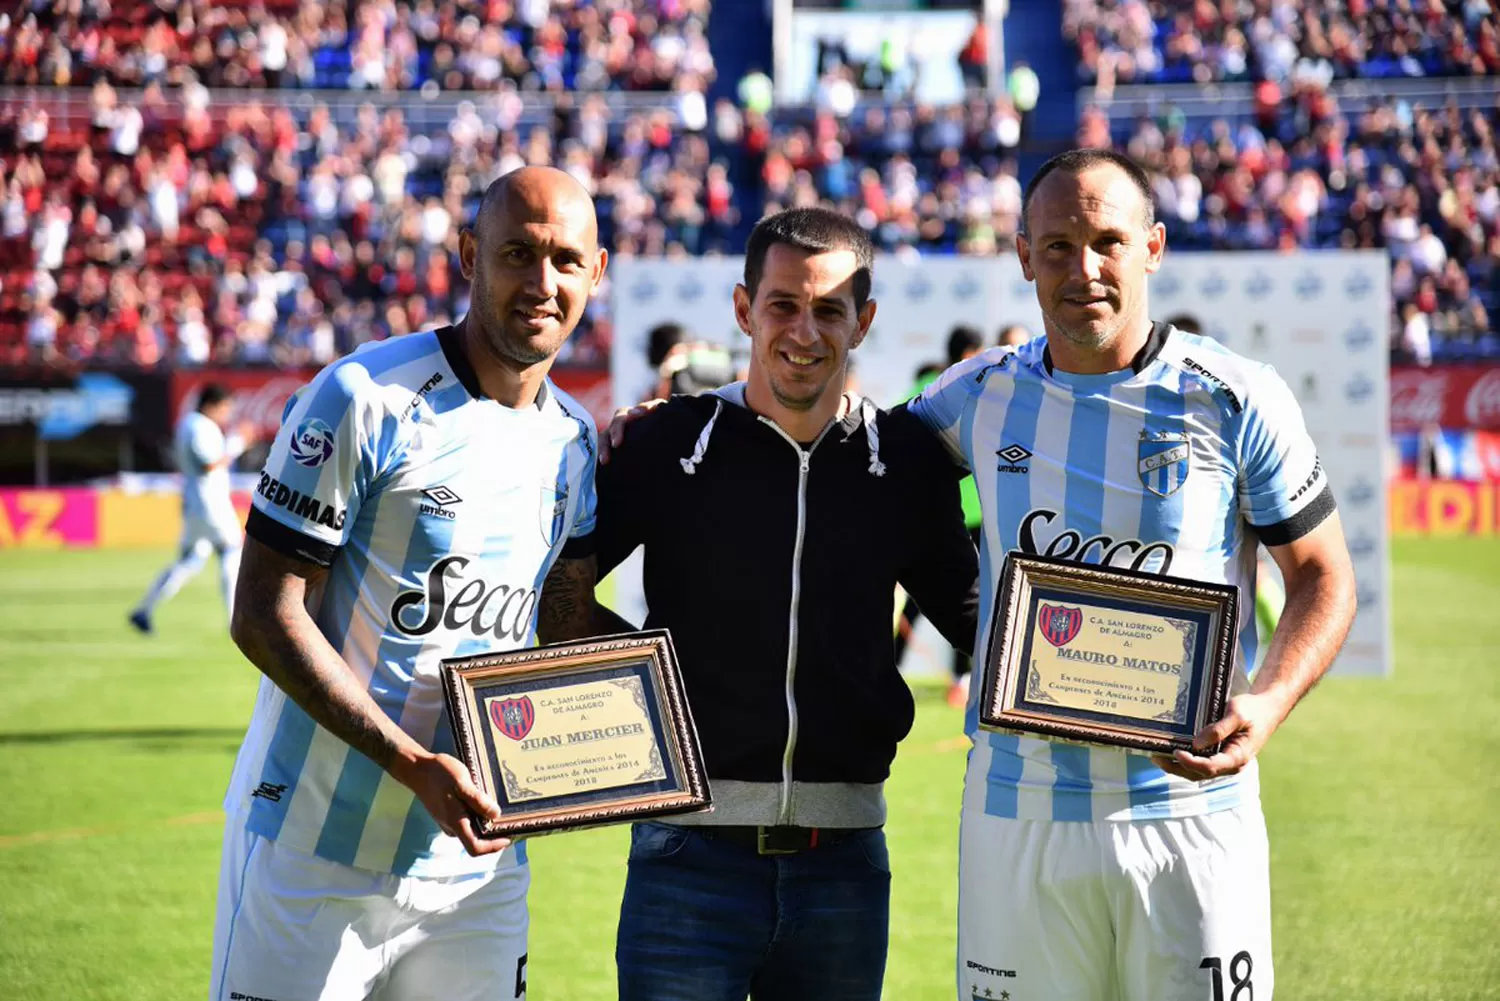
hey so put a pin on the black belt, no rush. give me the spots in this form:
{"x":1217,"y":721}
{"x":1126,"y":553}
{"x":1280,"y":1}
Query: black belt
{"x":779,"y":840}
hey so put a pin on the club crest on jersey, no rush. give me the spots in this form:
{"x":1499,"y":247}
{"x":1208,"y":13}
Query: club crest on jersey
{"x":551,"y":514}
{"x":1163,"y":461}
{"x":1059,"y":623}
{"x":312,"y":445}
{"x":513,"y":717}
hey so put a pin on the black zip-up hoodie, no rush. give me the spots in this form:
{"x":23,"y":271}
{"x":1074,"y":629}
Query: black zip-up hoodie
{"x":774,"y":565}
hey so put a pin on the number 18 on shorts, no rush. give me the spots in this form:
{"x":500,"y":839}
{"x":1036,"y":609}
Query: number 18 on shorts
{"x":1168,"y":910}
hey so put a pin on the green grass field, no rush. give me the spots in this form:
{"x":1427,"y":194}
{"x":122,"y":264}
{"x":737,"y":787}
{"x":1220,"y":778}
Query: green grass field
{"x":1383,"y":799}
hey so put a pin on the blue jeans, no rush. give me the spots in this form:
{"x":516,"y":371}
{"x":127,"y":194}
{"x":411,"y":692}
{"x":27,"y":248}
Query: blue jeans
{"x":710,"y":920}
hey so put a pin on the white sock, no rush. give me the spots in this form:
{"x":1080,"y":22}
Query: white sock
{"x":173,"y":577}
{"x":229,"y":572}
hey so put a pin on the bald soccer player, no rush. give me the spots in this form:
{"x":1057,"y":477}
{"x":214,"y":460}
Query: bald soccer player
{"x":384,"y":536}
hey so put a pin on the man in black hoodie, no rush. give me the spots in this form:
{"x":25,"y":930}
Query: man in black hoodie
{"x":777,"y":516}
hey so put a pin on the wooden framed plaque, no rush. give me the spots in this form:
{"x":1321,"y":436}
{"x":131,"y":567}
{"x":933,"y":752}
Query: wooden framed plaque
{"x":1107,"y":656}
{"x":577,"y":734}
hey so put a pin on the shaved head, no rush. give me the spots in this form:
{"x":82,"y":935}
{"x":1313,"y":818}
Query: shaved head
{"x":533,"y":260}
{"x":535,"y":192}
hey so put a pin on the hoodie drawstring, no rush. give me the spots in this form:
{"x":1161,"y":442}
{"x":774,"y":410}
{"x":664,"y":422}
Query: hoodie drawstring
{"x":868,"y":411}
{"x":689,"y":465}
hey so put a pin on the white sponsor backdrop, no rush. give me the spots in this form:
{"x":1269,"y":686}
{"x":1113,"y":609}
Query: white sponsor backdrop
{"x":1322,"y":319}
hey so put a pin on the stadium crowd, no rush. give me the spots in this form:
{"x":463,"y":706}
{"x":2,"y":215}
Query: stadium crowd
{"x":1275,"y":41}
{"x":648,"y":45}
{"x":1422,"y":183}
{"x":181,"y":229}
{"x":251,"y":234}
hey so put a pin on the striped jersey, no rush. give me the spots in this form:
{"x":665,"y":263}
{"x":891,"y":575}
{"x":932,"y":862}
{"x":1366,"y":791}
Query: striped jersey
{"x":438,"y":513}
{"x":1179,"y":464}
{"x":198,"y":444}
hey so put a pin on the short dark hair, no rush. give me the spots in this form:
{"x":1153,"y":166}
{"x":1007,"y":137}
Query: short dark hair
{"x":1187,"y":323}
{"x":1076,"y":161}
{"x":212,"y":393}
{"x":962,"y":340}
{"x":1005,"y":331}
{"x":813,"y":230}
{"x":663,"y":338}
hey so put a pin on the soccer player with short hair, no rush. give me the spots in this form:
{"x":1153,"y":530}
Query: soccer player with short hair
{"x":1089,"y":872}
{"x":420,"y":492}
{"x":210,"y":523}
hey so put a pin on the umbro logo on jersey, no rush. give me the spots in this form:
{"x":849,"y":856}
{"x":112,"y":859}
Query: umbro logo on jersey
{"x":1011,"y":457}
{"x":267,"y":790}
{"x":442,"y":498}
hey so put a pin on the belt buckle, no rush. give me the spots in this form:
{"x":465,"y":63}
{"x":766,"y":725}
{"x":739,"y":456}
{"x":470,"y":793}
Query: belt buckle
{"x":763,"y":848}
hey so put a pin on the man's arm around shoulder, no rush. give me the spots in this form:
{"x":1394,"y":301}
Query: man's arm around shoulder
{"x":942,"y":573}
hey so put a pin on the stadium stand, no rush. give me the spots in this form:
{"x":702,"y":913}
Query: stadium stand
{"x":147,"y":219}
{"x":1422,"y":183}
{"x":1204,"y":41}
{"x":328,"y":231}
{"x":363,"y":44}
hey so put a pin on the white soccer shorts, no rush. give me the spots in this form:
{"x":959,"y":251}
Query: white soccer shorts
{"x":1164,"y":910}
{"x":218,"y":530}
{"x":294,"y":927}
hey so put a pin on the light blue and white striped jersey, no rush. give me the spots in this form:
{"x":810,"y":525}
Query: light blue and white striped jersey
{"x":197,"y":445}
{"x":438,"y":513}
{"x":1178,"y":464}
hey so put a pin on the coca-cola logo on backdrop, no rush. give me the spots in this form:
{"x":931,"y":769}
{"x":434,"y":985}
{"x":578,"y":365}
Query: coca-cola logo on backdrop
{"x":263,"y":405}
{"x":1417,"y":397}
{"x":1482,"y":406}
{"x":1456,"y":397}
{"x":259,"y":395}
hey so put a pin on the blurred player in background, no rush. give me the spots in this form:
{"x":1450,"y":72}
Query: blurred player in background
{"x":419,"y":492}
{"x":1013,"y":336}
{"x":1087,"y":871}
{"x":964,"y":342}
{"x":210,"y":523}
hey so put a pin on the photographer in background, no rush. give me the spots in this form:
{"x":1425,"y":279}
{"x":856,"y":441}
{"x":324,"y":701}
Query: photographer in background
{"x":684,"y":365}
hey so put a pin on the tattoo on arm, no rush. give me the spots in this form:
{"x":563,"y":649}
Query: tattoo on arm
{"x":567,"y":606}
{"x":272,"y":627}
{"x":569,"y":610}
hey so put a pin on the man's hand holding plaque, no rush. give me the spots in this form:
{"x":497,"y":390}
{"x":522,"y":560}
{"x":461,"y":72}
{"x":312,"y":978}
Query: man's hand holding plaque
{"x":461,"y":809}
{"x":1248,"y":722}
{"x":1112,"y":657}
